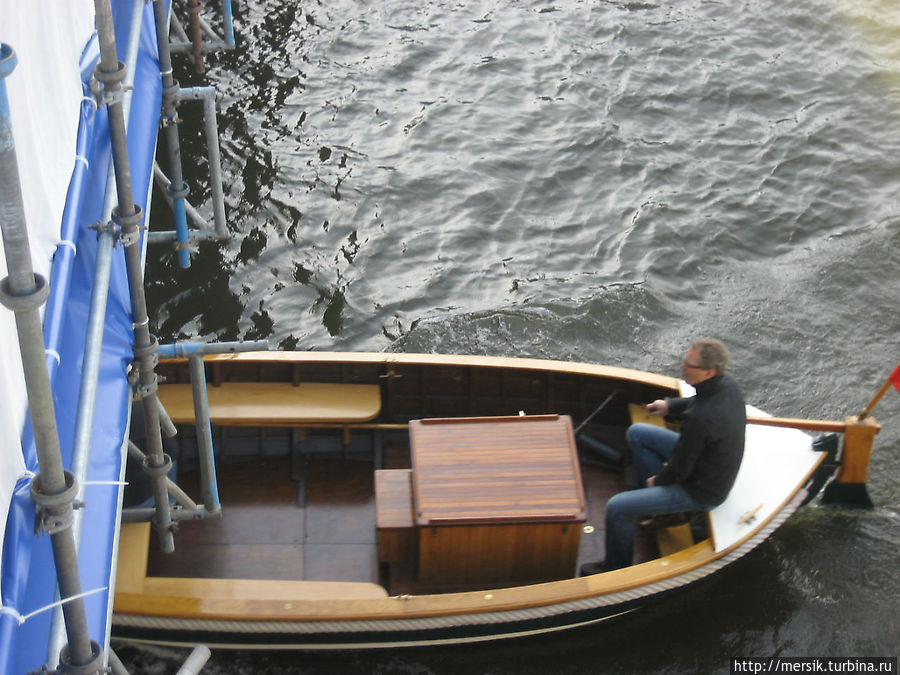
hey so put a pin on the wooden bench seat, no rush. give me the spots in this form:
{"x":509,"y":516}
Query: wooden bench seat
{"x":135,"y":591}
{"x":280,"y":404}
{"x":261,"y":589}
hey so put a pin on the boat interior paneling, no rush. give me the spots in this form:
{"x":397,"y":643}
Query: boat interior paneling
{"x":415,"y":391}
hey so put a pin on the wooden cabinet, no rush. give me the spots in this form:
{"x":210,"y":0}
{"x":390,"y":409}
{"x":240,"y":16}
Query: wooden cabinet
{"x":490,"y":501}
{"x":498,"y":500}
{"x":478,"y":556}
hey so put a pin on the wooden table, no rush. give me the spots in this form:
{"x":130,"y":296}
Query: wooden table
{"x":496,"y":499}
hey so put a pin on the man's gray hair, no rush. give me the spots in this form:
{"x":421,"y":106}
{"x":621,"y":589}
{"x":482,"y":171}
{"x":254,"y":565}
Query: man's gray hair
{"x":713,"y":354}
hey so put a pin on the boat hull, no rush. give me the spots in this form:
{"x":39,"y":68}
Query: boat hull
{"x":304,"y":614}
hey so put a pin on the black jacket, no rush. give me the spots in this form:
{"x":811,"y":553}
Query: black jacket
{"x":708,"y":454}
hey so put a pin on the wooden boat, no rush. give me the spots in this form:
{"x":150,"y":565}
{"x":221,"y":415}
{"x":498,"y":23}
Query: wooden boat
{"x":373,"y":500}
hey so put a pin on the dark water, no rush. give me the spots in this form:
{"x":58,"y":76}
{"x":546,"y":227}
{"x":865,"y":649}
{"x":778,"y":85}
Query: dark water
{"x":597,"y":181}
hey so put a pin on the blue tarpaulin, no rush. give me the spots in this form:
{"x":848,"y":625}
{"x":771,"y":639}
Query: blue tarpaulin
{"x":28,"y":573}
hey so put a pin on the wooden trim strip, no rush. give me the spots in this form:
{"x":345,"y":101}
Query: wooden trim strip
{"x":492,"y":420}
{"x":546,"y":365}
{"x":795,"y":423}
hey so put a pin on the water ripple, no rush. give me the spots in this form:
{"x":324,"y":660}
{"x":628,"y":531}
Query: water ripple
{"x":411,"y":158}
{"x":591,"y":180}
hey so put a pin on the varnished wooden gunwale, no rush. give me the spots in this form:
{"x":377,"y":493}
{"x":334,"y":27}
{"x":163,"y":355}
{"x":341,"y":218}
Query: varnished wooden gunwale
{"x":562,"y":367}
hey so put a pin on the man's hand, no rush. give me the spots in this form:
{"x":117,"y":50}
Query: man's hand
{"x":651,"y":481}
{"x":658,"y":407}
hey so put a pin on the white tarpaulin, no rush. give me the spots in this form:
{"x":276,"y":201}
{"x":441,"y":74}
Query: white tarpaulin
{"x":44,"y":94}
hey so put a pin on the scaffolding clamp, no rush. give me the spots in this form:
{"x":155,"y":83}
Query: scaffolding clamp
{"x":108,"y":226}
{"x":157,"y":471}
{"x":21,"y":303}
{"x":129,"y":225}
{"x":169,"y":119}
{"x":54,"y":513}
{"x":112,"y":91}
{"x":142,"y":391}
{"x":171,"y":528}
{"x":150,"y":351}
{"x":178,"y":193}
{"x":103,"y":96}
{"x":92,"y":667}
{"x":170,"y":97}
{"x":185,"y":246}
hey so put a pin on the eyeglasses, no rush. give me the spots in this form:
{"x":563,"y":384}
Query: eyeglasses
{"x":691,"y":365}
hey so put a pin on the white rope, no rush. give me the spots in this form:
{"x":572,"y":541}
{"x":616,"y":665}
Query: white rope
{"x":12,"y":612}
{"x":22,"y":618}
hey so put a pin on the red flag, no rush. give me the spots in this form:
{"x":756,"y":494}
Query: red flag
{"x":895,"y":377}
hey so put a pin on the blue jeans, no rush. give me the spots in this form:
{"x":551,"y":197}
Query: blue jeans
{"x":651,"y":447}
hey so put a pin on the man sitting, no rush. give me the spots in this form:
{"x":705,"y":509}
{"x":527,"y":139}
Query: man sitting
{"x":688,"y":471}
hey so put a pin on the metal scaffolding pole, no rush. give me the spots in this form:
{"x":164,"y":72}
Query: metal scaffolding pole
{"x":208,"y":482}
{"x":110,"y":72}
{"x":208,"y":97}
{"x":178,"y":190}
{"x":194,"y":8}
{"x":211,"y":41}
{"x":211,"y":129}
{"x":163,"y":182}
{"x":87,"y":394}
{"x":54,"y":488}
{"x":187,"y":509}
{"x":194,"y":353}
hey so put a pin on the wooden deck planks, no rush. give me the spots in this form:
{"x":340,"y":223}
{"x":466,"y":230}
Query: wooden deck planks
{"x":259,"y":535}
{"x":496,"y":470}
{"x":264,"y":533}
